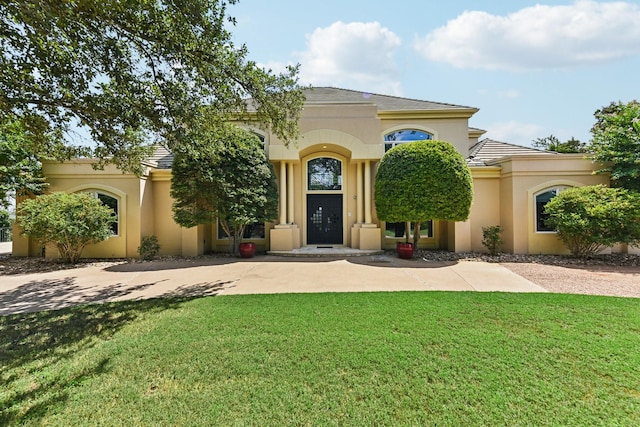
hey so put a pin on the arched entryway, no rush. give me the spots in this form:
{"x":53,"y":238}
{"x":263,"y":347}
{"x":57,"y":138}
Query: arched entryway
{"x":324,"y":187}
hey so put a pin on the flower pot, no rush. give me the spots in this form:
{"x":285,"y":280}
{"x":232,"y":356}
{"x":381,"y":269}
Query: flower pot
{"x":247,"y":250}
{"x":405,"y":250}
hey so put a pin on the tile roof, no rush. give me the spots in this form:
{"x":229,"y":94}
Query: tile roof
{"x":161,"y":158}
{"x":384,"y":102}
{"x":488,"y":149}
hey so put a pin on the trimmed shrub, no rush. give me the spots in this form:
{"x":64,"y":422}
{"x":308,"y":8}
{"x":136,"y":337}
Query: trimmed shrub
{"x":423,"y":180}
{"x":149,"y":247}
{"x":587,"y":219}
{"x":70,"y":221}
{"x":491,"y":238}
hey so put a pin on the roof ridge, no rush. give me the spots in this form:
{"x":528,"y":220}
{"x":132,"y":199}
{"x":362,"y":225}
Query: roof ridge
{"x":391,"y":96}
{"x":475,"y":148}
{"x":516,"y":145}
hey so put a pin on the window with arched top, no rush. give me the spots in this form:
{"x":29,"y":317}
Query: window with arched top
{"x":404,"y":135}
{"x":111,"y":202}
{"x":324,"y":173}
{"x":541,"y":199}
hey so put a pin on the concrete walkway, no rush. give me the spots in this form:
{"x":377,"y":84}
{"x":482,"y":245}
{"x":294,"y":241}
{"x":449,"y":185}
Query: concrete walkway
{"x":259,"y":275}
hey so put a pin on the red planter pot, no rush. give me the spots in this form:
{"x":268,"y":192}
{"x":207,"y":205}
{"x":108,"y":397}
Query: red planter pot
{"x":247,"y":250}
{"x":405,"y":250}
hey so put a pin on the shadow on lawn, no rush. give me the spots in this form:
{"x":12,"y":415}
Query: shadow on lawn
{"x":40,"y":348}
{"x":390,"y":261}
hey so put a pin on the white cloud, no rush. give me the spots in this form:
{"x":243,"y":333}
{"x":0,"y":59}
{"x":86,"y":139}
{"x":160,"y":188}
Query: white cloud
{"x":352,"y":55}
{"x":538,"y":37}
{"x":514,"y":132}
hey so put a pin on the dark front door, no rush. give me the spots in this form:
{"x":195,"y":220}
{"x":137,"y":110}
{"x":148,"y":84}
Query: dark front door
{"x":324,"y":219}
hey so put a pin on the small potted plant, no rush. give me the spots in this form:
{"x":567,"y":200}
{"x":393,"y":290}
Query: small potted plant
{"x":405,"y":249}
{"x":247,"y":249}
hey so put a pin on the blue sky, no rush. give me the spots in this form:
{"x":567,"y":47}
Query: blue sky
{"x":532,"y":68}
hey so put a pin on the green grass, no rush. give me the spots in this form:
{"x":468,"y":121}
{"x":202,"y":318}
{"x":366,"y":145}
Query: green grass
{"x":327,"y":359}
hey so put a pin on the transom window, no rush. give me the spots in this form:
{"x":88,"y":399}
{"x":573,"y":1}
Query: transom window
{"x":405,"y":135}
{"x":542,"y":199}
{"x":324,"y":173}
{"x":112,"y":202}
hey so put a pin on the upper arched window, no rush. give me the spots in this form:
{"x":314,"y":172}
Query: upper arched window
{"x":541,"y":199}
{"x":324,"y":173}
{"x":404,"y":135}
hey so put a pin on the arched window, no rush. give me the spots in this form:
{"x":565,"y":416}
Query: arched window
{"x":541,"y":199}
{"x":404,"y":135}
{"x":112,"y":202}
{"x":324,"y":173}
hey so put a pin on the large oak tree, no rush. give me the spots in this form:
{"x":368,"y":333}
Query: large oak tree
{"x":131,"y":73}
{"x":223,"y":175}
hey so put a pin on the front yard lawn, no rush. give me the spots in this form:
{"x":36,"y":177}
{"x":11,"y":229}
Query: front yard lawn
{"x":407,"y":358}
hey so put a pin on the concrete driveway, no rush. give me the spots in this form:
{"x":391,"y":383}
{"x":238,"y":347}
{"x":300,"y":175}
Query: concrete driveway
{"x":259,"y":275}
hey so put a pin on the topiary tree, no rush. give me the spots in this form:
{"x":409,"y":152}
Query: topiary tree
{"x":70,"y":221}
{"x":587,"y":219}
{"x":423,"y":180}
{"x":224,"y":174}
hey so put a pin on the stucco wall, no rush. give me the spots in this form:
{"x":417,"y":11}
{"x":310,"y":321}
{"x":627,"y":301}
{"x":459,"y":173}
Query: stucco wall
{"x":524,"y":176}
{"x":486,"y":205}
{"x":454,"y":130}
{"x":169,"y":233}
{"x":77,"y":176}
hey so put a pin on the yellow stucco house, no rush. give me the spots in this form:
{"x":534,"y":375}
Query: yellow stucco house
{"x":325,"y":184}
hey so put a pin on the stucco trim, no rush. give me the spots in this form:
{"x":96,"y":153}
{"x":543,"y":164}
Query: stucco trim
{"x":485,"y":172}
{"x":458,"y":113}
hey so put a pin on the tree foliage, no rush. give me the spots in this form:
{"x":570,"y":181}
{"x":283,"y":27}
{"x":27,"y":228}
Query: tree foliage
{"x":132,"y":73}
{"x":587,"y":219}
{"x":616,"y":142}
{"x":223,"y":175}
{"x":70,"y":221}
{"x":552,"y":143}
{"x":5,"y":219}
{"x":20,"y":169}
{"x":423,"y":180}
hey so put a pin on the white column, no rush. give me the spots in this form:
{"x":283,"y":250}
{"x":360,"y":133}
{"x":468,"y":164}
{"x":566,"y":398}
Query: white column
{"x":283,"y":192}
{"x":359,"y":195}
{"x":290,"y":194}
{"x":367,"y":192}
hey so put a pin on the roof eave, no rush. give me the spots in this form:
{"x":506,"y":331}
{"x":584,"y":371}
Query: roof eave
{"x":452,"y":113}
